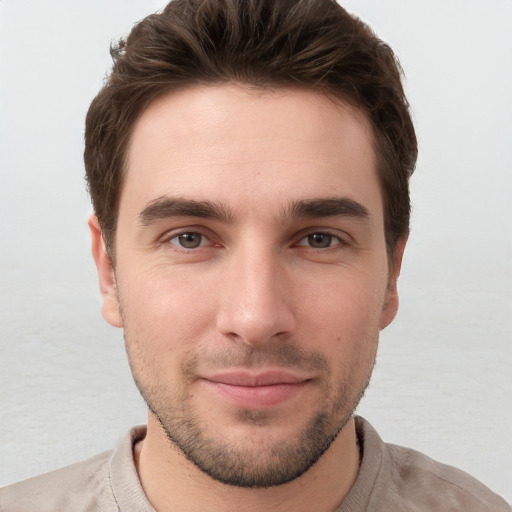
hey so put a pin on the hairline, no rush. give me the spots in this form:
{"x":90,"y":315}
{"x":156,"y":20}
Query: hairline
{"x":336,"y":97}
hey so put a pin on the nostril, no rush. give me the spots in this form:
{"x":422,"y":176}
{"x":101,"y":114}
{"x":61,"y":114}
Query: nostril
{"x":253,"y":328}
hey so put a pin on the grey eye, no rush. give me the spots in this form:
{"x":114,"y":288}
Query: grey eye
{"x":189,"y":240}
{"x":320,"y":240}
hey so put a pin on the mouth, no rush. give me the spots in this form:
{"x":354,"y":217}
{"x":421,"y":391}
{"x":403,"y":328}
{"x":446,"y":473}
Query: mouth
{"x":256,"y":390}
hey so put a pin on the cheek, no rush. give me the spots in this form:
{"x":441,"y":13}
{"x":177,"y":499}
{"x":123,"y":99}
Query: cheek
{"x":349,"y":306}
{"x":165,"y":308}
{"x":344,"y":324}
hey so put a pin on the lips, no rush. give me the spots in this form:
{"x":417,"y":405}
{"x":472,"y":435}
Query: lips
{"x":256,"y":390}
{"x":268,"y":378}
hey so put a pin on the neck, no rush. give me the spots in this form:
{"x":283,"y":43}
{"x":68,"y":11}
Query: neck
{"x":171,"y":482}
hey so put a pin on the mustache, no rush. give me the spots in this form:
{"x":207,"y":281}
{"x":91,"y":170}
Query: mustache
{"x":278,"y":354}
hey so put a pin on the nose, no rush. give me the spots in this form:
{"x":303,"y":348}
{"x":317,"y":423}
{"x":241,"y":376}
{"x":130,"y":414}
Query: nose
{"x":256,"y":298}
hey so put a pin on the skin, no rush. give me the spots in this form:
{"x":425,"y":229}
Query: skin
{"x":251,"y":282}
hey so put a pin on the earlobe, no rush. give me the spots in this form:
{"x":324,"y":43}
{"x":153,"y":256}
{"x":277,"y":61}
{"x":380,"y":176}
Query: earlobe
{"x":110,"y":304}
{"x":390,"y":306}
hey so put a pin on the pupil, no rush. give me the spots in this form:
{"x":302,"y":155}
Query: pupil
{"x":320,"y":240}
{"x":190,"y":240}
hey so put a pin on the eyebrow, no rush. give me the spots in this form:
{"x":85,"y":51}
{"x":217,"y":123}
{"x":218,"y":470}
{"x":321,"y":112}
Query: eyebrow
{"x":328,"y":207}
{"x":166,"y":207}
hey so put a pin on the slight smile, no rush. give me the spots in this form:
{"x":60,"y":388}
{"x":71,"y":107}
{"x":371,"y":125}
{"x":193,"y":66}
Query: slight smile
{"x":256,"y":391}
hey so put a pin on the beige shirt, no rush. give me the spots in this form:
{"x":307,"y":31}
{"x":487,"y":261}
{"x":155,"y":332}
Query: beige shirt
{"x":391,"y":478}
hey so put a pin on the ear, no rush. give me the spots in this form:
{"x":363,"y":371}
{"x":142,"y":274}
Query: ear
{"x":110,"y":304}
{"x":390,"y":306}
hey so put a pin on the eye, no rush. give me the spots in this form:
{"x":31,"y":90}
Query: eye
{"x":189,"y":240}
{"x":320,"y":240}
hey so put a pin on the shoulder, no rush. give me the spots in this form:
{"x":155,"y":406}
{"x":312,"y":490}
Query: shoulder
{"x":401,"y":479}
{"x":411,"y":473}
{"x":83,"y":486}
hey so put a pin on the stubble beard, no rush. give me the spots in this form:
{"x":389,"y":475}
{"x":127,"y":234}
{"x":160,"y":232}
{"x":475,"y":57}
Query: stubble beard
{"x":242,"y":464}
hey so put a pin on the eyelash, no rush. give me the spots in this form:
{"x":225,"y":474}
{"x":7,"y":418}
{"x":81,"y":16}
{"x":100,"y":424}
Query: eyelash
{"x":339,"y":242}
{"x":183,"y":234}
{"x":330,"y":236}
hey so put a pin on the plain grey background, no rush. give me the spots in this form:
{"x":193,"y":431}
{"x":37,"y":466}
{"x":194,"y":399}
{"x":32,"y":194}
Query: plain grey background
{"x":443,"y":382}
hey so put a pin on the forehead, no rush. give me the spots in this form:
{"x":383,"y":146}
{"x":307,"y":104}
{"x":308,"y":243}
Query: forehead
{"x":250,"y":147}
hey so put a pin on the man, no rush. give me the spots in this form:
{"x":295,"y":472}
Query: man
{"x":248,"y":163}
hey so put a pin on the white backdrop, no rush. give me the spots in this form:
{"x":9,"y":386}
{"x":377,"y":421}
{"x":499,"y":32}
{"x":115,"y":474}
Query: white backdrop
{"x":443,"y":382}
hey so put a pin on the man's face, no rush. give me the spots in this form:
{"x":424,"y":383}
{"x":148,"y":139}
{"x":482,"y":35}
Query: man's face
{"x":251,"y":275}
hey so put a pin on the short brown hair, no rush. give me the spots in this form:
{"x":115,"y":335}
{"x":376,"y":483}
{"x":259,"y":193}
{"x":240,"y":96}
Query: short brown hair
{"x":312,"y":44}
